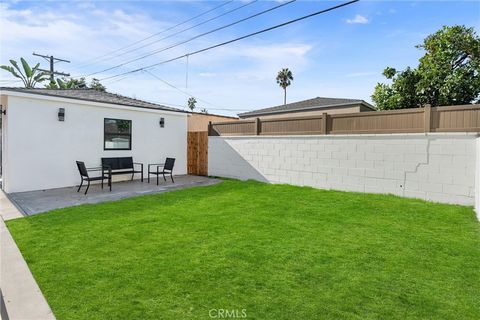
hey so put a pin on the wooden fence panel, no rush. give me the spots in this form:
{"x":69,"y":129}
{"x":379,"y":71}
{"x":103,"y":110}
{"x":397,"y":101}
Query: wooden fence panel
{"x":197,"y":153}
{"x":438,"y":119}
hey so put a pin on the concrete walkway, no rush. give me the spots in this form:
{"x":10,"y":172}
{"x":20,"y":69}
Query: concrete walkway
{"x":20,"y":293}
{"x":7,"y":209}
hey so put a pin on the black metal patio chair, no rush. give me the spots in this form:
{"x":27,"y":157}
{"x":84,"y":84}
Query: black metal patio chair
{"x":167,"y":168}
{"x":86,"y":177}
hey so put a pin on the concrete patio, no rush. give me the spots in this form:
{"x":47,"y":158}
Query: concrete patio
{"x":34,"y":202}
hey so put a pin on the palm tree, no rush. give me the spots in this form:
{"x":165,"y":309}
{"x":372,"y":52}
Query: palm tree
{"x":29,"y":76}
{"x":284,"y":79}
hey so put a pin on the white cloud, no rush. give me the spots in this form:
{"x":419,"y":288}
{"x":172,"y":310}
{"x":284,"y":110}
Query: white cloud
{"x":258,"y":56}
{"x":238,"y":76}
{"x":359,"y":19}
{"x":76,"y":34}
{"x":276,"y":51}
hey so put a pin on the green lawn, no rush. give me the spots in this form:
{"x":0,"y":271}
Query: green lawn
{"x":273,"y":251}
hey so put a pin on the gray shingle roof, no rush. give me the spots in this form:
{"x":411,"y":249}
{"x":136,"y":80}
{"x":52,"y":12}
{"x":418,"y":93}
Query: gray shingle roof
{"x":94,"y":96}
{"x":315,"y":103}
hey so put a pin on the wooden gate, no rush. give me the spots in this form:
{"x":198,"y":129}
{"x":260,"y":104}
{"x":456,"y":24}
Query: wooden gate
{"x":197,"y":155}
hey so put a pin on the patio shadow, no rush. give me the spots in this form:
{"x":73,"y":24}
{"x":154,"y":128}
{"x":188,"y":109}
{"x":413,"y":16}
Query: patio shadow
{"x":231,"y":163}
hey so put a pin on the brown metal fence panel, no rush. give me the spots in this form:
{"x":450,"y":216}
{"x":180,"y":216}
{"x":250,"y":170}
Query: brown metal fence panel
{"x":237,"y":128}
{"x":438,"y":119}
{"x":456,"y":118}
{"x":310,"y":125}
{"x":197,"y":153}
{"x":410,"y":120}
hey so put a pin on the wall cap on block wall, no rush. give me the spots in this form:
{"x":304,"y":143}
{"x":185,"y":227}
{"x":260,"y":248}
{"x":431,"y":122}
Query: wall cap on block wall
{"x":364,"y":135}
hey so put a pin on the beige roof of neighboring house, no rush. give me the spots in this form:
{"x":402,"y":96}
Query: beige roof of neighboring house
{"x":304,"y":105}
{"x":214,"y":115}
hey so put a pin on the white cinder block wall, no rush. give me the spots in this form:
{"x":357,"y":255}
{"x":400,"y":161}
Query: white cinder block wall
{"x":439,"y":167}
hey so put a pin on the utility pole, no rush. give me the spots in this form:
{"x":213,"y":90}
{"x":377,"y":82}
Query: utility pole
{"x":52,"y":60}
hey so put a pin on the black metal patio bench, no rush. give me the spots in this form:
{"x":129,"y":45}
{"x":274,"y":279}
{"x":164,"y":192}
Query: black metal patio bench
{"x":121,"y":165}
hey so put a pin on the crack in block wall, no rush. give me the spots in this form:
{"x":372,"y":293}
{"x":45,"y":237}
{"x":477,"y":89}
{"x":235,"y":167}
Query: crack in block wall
{"x":438,"y":167}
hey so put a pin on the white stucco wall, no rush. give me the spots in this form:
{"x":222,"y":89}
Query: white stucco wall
{"x":4,"y":103}
{"x":477,"y":179}
{"x":438,"y":167}
{"x":40,"y":151}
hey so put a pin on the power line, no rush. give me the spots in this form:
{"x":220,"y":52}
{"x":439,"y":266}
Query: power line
{"x":183,"y":30}
{"x":195,"y":37}
{"x":115,"y":80}
{"x":234,"y":40}
{"x":188,"y":94}
{"x":52,"y":60}
{"x":90,"y":62}
{"x":186,"y":73}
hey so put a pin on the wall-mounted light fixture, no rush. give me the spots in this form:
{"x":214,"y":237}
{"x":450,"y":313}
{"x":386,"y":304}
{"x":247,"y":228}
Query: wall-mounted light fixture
{"x":162,"y":122}
{"x":61,"y":114}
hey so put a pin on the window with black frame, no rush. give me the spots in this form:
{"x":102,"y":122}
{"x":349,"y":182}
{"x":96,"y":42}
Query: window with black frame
{"x":117,"y":134}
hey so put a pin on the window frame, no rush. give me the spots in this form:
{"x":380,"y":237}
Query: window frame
{"x":129,"y":135}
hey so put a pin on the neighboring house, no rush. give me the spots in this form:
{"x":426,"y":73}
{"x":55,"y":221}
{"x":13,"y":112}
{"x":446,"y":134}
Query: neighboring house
{"x":198,"y":121}
{"x":310,"y":107}
{"x":45,"y":131}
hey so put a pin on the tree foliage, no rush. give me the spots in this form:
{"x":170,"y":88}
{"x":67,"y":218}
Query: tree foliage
{"x":66,"y":83}
{"x":448,"y":73}
{"x":96,"y":85}
{"x":284,"y":79}
{"x":32,"y":76}
{"x":29,"y":76}
{"x":191,"y":103}
{"x":72,"y":83}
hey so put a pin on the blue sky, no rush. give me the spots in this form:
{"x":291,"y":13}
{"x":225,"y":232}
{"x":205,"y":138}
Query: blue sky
{"x":338,"y":54}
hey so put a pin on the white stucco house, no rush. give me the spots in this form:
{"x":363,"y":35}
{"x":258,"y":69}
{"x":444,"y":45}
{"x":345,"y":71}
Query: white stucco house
{"x":45,"y":131}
